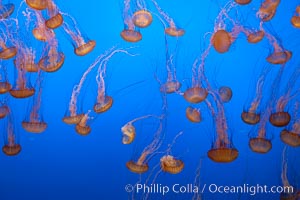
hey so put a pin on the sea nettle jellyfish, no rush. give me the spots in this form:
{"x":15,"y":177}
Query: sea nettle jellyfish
{"x":11,"y":145}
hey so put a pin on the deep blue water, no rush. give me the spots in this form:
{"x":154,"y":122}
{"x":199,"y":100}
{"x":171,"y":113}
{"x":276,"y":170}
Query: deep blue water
{"x":60,"y":164}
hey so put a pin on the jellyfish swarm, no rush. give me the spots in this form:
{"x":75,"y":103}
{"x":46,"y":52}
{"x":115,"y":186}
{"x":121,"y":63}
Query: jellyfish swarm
{"x":82,"y":128}
{"x":81,"y":43}
{"x":11,"y":145}
{"x":193,"y":114}
{"x":129,"y":33}
{"x":56,"y":19}
{"x":22,"y":87}
{"x":40,"y":31}
{"x":6,"y":10}
{"x":170,"y":27}
{"x":141,"y":166}
{"x":104,"y":102}
{"x":225,"y":94}
{"x":35,"y":123}
{"x":267,"y":10}
{"x":296,"y":18}
{"x":222,"y":149}
{"x":54,"y":59}
{"x":171,"y":165}
{"x":141,"y":17}
{"x":37,"y":4}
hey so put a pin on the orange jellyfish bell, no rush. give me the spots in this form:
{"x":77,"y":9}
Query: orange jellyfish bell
{"x":103,"y":106}
{"x":195,"y":94}
{"x":22,"y":92}
{"x":250,"y":117}
{"x":83,"y":130}
{"x":52,"y":62}
{"x":137,"y":168}
{"x":11,"y":150}
{"x":5,"y":86}
{"x":175,"y":32}
{"x":255,"y":37}
{"x":74,"y":119}
{"x":221,"y":41}
{"x":225,"y":94}
{"x":142,"y":18}
{"x":193,"y":114}
{"x":280,"y":119}
{"x":170,"y":87}
{"x":290,"y":138}
{"x":4,"y":111}
{"x":242,"y":2}
{"x":8,"y":53}
{"x":54,"y":21}
{"x":131,"y":35}
{"x":223,"y":154}
{"x":128,"y":133}
{"x":37,"y":4}
{"x":260,"y":145}
{"x":171,"y":165}
{"x":85,"y":48}
{"x":6,"y":10}
{"x":34,"y":127}
{"x":279,"y":57}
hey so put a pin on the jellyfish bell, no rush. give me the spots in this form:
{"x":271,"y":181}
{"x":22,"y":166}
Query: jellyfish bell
{"x":193,"y":114}
{"x":128,"y":133}
{"x":101,"y":107}
{"x":242,"y":2}
{"x":83,"y":130}
{"x":250,"y":117}
{"x":266,"y":14}
{"x":72,"y":119}
{"x":137,"y":168}
{"x":255,"y":37}
{"x":37,"y":4}
{"x":42,"y":34}
{"x":225,"y":94}
{"x":7,"y":53}
{"x":260,"y":145}
{"x":295,"y":20}
{"x":195,"y":94}
{"x":6,"y":10}
{"x":52,"y":62}
{"x":279,"y":57}
{"x":5,"y":86}
{"x":290,"y":138}
{"x":131,"y":35}
{"x":221,"y":41}
{"x":11,"y":150}
{"x":174,"y":31}
{"x":24,"y":92}
{"x":55,"y":21}
{"x":171,"y":165}
{"x":142,"y":18}
{"x":4,"y":111}
{"x":280,"y":119}
{"x":170,"y":87}
{"x":85,"y":48}
{"x":34,"y":127}
{"x":27,"y":63}
{"x":223,"y":154}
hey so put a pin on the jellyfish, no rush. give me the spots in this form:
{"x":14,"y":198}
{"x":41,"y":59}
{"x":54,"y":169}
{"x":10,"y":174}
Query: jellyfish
{"x":7,"y":52}
{"x":5,"y":86}
{"x":141,"y":18}
{"x":128,"y":130}
{"x":103,"y":101}
{"x":4,"y":110}
{"x":291,"y":135}
{"x":6,"y":10}
{"x":281,"y":117}
{"x":171,"y":165}
{"x":35,"y":123}
{"x":129,"y":33}
{"x":172,"y":84}
{"x":170,"y":27}
{"x":252,"y":115}
{"x":242,"y":2}
{"x":296,"y":18}
{"x":141,"y":165}
{"x":267,"y":10}
{"x":11,"y":145}
{"x":41,"y":32}
{"x":54,"y":59}
{"x":225,"y":94}
{"x":82,"y":128}
{"x":56,"y":19}
{"x":25,"y":58}
{"x":290,"y":194}
{"x":193,"y":114}
{"x":22,"y":87}
{"x":222,"y":149}
{"x":37,"y":4}
{"x":81,"y":43}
